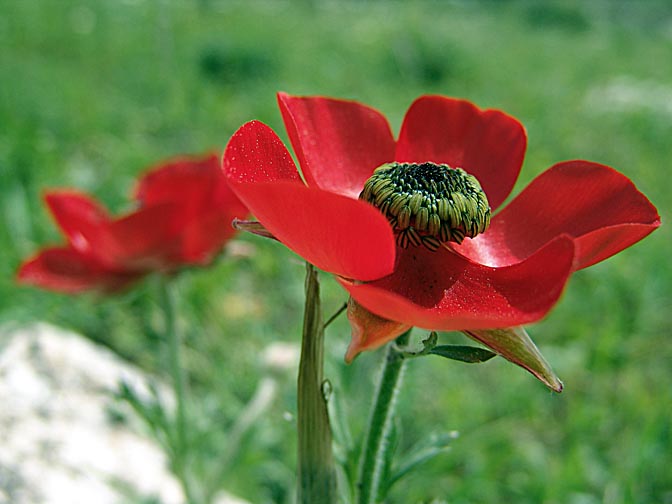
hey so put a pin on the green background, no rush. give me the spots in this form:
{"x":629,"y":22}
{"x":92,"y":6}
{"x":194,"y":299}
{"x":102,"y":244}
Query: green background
{"x":94,"y":92}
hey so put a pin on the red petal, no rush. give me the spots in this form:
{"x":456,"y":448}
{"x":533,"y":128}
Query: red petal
{"x":135,"y":241}
{"x":179,"y":180}
{"x":486,"y":143}
{"x":196,"y":184}
{"x":66,"y":270}
{"x":204,"y":235}
{"x":204,"y":238}
{"x":338,"y":143}
{"x":335,"y":233}
{"x":79,"y":216}
{"x":159,"y":237}
{"x":207,"y":206}
{"x":444,"y":291}
{"x":118,"y":244}
{"x":600,"y":208}
{"x":147,"y":239}
{"x":256,"y":154}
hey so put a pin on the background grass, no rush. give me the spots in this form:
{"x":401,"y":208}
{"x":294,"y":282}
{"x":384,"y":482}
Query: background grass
{"x":94,"y":92}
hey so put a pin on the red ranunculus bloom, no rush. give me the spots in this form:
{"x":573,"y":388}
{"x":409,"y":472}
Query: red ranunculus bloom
{"x":573,"y":215}
{"x":184,"y":218}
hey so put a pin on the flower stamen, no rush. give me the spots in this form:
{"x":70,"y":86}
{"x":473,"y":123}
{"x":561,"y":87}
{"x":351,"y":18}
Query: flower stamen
{"x":428,"y":204}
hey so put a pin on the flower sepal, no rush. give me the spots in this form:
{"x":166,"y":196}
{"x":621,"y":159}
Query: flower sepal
{"x":369,"y":331}
{"x":252,"y":226}
{"x":515,"y":345}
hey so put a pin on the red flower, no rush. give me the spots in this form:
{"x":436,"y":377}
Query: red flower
{"x":184,"y":218}
{"x":575,"y":214}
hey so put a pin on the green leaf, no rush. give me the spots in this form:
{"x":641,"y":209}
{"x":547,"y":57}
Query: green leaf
{"x":463,"y":353}
{"x":150,"y":410}
{"x":422,"y":452}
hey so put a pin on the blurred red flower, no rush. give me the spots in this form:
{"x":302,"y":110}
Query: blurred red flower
{"x":184,"y":215}
{"x":573,"y":215}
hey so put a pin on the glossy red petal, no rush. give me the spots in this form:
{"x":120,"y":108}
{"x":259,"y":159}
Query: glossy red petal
{"x":69,"y":271}
{"x":338,"y":143}
{"x":335,"y":233}
{"x":486,"y":143}
{"x":256,"y":154}
{"x":444,"y":291}
{"x":600,"y":208}
{"x":79,"y":216}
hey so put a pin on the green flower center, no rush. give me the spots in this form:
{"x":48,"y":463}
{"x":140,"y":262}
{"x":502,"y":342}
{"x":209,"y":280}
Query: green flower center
{"x":428,"y":204}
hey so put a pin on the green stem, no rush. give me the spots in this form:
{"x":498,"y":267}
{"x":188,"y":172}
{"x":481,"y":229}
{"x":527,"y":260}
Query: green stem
{"x":175,"y":368}
{"x":343,"y":307}
{"x":376,"y":445}
{"x":316,"y":469}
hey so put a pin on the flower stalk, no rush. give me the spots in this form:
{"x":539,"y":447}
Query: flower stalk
{"x":173,"y":340}
{"x":376,"y":445}
{"x":316,"y":469}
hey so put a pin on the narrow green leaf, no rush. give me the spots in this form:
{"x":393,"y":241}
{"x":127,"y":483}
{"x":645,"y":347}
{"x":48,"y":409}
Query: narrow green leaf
{"x":392,"y":442}
{"x":421,"y":453}
{"x":463,"y":353}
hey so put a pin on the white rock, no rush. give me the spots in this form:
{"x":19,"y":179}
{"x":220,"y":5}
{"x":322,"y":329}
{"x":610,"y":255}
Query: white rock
{"x":630,"y":94}
{"x":58,"y":443}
